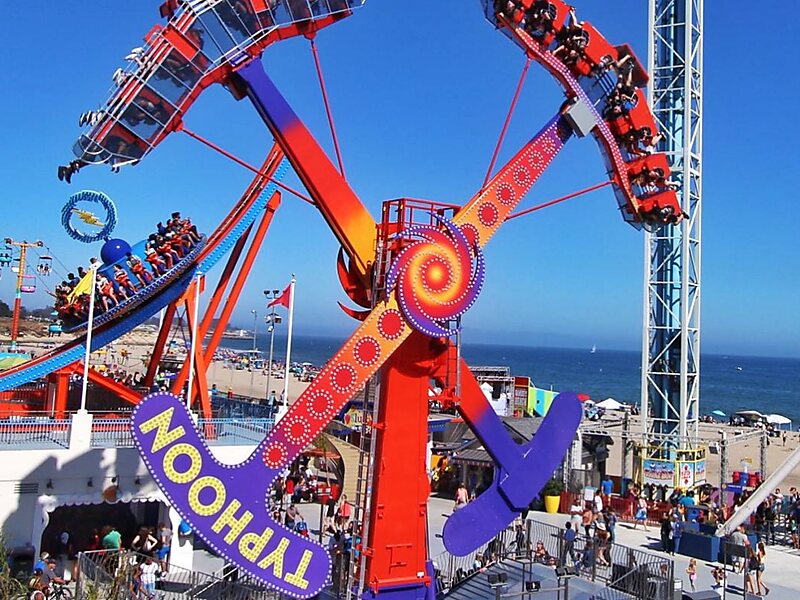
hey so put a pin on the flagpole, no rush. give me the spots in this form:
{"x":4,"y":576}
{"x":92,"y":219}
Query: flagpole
{"x":195,"y":317}
{"x":88,"y":354}
{"x":289,"y":343}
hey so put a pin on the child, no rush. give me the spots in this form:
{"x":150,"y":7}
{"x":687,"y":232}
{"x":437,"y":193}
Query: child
{"x":718,"y":573}
{"x":691,"y":570}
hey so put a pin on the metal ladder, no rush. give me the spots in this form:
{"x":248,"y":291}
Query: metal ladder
{"x":363,"y":501}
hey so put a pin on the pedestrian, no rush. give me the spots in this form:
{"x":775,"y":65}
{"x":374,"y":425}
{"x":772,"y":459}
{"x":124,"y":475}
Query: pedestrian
{"x":462,"y":496}
{"x":762,"y":559}
{"x":739,"y":538}
{"x":144,"y":542}
{"x":751,"y":570}
{"x":344,"y":511}
{"x":611,"y":524}
{"x":63,"y":552}
{"x":165,"y":546}
{"x":149,"y":574}
{"x":569,"y":545}
{"x":586,"y":520}
{"x":691,"y":571}
{"x":641,"y":513}
{"x":666,"y":535}
{"x":677,"y":532}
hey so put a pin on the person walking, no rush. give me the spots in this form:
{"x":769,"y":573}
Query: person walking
{"x":569,"y":536}
{"x":666,"y":535}
{"x":462,"y":497}
{"x":641,"y":513}
{"x":691,"y":571}
{"x":677,"y":532}
{"x":762,"y":559}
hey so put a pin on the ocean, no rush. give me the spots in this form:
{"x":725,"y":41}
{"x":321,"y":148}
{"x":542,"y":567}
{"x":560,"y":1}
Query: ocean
{"x":727,"y":383}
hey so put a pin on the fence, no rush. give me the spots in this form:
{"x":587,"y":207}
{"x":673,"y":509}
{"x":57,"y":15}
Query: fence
{"x":34,"y":433}
{"x":235,"y":432}
{"x":641,"y":574}
{"x":111,"y":433}
{"x":110,"y":575}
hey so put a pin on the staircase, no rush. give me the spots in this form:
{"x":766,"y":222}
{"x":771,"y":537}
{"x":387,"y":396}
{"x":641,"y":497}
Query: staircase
{"x":109,"y":575}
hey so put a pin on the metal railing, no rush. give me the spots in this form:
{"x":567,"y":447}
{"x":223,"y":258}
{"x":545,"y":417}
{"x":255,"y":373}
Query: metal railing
{"x":110,"y":575}
{"x":111,"y":433}
{"x":235,"y":432}
{"x":641,"y":574}
{"x":34,"y":433}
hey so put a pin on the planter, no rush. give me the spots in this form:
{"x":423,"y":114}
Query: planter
{"x":551,"y":503}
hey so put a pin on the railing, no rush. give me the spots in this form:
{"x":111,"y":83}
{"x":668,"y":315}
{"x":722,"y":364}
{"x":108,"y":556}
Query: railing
{"x":109,"y":575}
{"x":111,"y":433}
{"x":235,"y":432}
{"x":641,"y":574}
{"x":34,"y":433}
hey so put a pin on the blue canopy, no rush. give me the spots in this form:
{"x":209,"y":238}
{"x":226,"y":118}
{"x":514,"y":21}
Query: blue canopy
{"x":718,"y":413}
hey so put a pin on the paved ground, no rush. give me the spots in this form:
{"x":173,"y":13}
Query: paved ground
{"x":782,"y":574}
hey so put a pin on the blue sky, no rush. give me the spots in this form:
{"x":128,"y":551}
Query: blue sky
{"x":419,"y":98}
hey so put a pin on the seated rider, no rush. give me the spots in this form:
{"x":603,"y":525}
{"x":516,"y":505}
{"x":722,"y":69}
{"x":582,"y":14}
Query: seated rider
{"x":106,"y":290}
{"x":136,"y":266}
{"x":124,"y":283}
{"x":157,"y":264}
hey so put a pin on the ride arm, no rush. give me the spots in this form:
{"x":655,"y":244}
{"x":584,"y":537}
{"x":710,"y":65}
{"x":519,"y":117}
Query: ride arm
{"x":347,"y":217}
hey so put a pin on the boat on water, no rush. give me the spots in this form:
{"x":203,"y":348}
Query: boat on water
{"x":593,"y":350}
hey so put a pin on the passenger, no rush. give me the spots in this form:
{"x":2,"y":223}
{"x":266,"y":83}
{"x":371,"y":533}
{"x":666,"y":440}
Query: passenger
{"x":136,"y":266}
{"x":124,"y":281}
{"x":571,"y":40}
{"x":157,"y":264}
{"x":538,"y":21}
{"x":299,"y":10}
{"x":106,"y":291}
{"x":65,"y":173}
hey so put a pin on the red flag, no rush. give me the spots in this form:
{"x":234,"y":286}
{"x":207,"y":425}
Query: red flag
{"x":283,"y":299}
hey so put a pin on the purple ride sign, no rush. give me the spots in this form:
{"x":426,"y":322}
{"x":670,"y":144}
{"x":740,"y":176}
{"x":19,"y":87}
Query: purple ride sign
{"x":225,"y":504}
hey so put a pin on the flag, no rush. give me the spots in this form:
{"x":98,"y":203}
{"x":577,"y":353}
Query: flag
{"x":283,"y":299}
{"x":84,"y":287}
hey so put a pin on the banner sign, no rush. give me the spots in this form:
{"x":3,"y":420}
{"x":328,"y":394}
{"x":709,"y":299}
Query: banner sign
{"x":686,"y":475}
{"x":225,"y":504}
{"x":658,"y":472}
{"x":699,"y":472}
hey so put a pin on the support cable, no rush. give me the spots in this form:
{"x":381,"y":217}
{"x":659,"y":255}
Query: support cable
{"x":246,"y":165}
{"x":328,"y":112}
{"x":528,"y":211}
{"x":523,"y":76}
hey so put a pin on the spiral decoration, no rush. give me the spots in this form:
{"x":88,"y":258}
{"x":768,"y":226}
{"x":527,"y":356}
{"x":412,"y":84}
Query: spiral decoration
{"x":438,"y":276}
{"x":71,"y":213}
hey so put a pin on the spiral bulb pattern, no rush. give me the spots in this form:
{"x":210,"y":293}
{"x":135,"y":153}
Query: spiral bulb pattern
{"x":438,"y":276}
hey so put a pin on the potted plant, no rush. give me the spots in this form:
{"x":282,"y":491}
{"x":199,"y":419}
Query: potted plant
{"x":552,"y":494}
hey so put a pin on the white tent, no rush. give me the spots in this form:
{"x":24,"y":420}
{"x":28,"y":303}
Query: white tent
{"x":778,"y":419}
{"x":610,"y":404}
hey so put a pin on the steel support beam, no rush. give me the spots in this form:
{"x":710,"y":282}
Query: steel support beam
{"x":671,"y":328}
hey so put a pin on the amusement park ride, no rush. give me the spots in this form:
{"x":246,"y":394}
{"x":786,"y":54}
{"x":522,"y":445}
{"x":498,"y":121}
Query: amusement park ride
{"x":413,"y":275}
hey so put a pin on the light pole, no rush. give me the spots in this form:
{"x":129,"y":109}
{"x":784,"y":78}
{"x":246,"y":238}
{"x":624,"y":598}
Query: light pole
{"x":272,"y":320}
{"x":253,"y":357}
{"x":255,"y":326}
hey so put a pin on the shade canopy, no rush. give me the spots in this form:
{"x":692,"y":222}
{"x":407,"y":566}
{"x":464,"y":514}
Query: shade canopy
{"x":778,"y":419}
{"x":610,"y":404}
{"x":718,"y":413}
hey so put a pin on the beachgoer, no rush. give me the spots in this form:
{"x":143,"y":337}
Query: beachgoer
{"x":762,"y":559}
{"x":462,"y":496}
{"x":691,"y":571}
{"x":641,"y":513}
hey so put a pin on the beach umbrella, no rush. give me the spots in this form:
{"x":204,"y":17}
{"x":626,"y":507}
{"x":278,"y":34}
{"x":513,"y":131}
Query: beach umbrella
{"x":610,"y":404}
{"x":718,"y":413}
{"x":778,"y":419}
